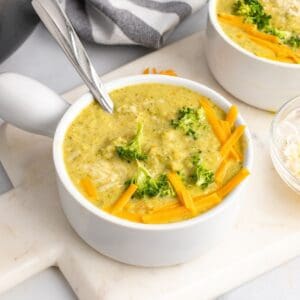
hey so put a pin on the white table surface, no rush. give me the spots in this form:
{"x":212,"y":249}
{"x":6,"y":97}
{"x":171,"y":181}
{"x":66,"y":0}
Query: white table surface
{"x":40,"y":58}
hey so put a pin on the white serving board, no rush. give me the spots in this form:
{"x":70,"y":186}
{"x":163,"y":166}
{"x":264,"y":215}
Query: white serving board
{"x":34,"y":234}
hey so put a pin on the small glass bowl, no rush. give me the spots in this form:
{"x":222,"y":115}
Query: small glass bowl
{"x":275,"y":146}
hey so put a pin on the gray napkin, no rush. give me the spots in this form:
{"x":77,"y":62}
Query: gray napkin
{"x":128,"y":22}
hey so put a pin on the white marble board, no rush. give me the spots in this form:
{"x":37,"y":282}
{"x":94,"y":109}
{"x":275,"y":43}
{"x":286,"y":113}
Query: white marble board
{"x":34,"y":234}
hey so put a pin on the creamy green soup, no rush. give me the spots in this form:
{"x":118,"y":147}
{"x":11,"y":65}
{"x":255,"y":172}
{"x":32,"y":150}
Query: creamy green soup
{"x":92,"y":143}
{"x":277,"y":18}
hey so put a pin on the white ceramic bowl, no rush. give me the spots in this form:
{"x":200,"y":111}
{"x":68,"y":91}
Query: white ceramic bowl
{"x":257,"y":81}
{"x":122,"y":240}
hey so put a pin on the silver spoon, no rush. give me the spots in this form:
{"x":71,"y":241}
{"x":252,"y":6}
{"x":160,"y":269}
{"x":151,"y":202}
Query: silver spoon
{"x":60,"y":27}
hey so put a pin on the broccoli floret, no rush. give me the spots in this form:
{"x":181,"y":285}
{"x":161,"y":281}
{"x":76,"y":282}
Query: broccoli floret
{"x":132,"y":150}
{"x":253,"y":12}
{"x":281,"y":34}
{"x":189,"y":120}
{"x":293,"y":41}
{"x":149,"y":186}
{"x":286,"y":37}
{"x":164,"y":187}
{"x":240,"y":8}
{"x":200,"y":175}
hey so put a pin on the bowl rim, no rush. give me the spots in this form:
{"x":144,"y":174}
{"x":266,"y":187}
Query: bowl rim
{"x":87,"y":98}
{"x":212,"y":16}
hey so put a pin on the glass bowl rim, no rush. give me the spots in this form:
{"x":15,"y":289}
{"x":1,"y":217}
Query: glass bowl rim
{"x":289,"y":176}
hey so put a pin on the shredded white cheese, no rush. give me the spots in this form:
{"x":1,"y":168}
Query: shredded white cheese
{"x":291,"y":153}
{"x":288,"y":135}
{"x":290,"y":7}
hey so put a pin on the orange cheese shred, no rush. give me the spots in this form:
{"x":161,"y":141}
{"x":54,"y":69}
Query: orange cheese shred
{"x":88,"y":187}
{"x":232,"y":115}
{"x":219,"y":131}
{"x":213,"y":120}
{"x":205,"y":203}
{"x":233,"y":154}
{"x":279,"y":49}
{"x":202,"y":204}
{"x":188,"y":200}
{"x":231,"y":19}
{"x":233,"y":182}
{"x":198,"y":200}
{"x":169,"y":72}
{"x":233,"y":139}
{"x":146,"y":71}
{"x":265,"y":40}
{"x":221,"y":171}
{"x":248,"y":28}
{"x":123,"y":199}
{"x":226,"y":127}
{"x":182,"y":193}
{"x":263,"y":36}
{"x":166,"y":216}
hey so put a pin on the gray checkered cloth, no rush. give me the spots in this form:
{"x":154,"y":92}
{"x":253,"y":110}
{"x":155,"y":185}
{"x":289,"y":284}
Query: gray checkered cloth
{"x":128,"y":22}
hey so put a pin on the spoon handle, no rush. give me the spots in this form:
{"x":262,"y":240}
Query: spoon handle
{"x":58,"y":24}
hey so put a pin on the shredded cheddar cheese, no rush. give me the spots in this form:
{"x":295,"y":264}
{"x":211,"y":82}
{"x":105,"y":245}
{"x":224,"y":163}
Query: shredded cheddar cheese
{"x":169,"y":72}
{"x":233,"y":182}
{"x":180,"y":212}
{"x":233,"y":139}
{"x":123,"y":199}
{"x":221,"y":171}
{"x":181,"y":192}
{"x":232,"y":115}
{"x":88,"y":187}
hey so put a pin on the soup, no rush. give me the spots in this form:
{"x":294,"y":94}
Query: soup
{"x":158,"y":158}
{"x":267,"y":28}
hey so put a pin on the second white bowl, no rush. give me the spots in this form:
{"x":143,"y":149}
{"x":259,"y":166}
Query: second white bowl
{"x":257,"y":81}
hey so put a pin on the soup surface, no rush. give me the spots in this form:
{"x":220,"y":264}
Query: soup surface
{"x":267,"y":28}
{"x":154,"y":131}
